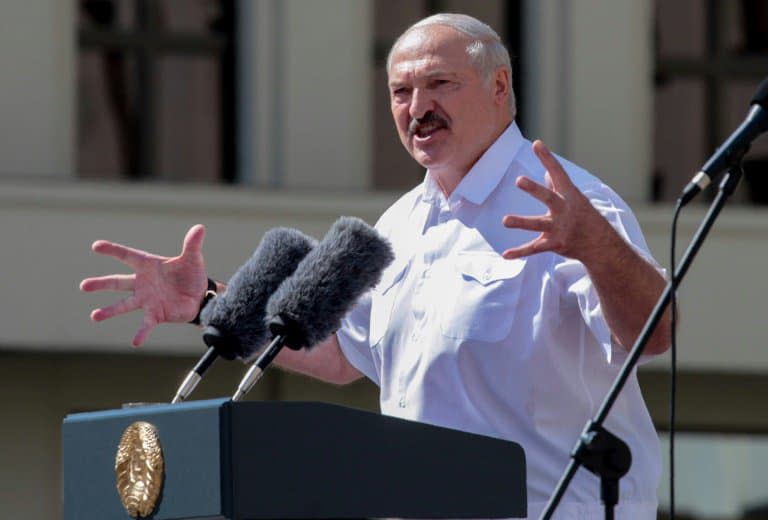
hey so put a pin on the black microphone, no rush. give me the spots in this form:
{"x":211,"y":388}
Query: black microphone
{"x":734,"y":148}
{"x":234,"y":322}
{"x":309,"y":305}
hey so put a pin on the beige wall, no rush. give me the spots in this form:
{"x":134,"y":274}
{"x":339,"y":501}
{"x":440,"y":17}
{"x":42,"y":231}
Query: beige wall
{"x":50,"y":229}
{"x":588,"y":68}
{"x":37,"y":60}
{"x":722,"y":299}
{"x":47,"y":231}
{"x":306,"y":93}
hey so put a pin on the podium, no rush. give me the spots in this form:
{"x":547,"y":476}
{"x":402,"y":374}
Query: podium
{"x":252,"y":460}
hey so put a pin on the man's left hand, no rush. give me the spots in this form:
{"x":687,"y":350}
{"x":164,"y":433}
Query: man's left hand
{"x":627,"y":285}
{"x":572,"y":227}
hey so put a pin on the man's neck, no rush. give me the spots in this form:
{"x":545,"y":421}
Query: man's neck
{"x":448,"y":178}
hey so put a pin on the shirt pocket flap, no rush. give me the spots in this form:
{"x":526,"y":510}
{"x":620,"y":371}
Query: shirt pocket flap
{"x":391,"y":276}
{"x":383,"y":299}
{"x":488,"y":268}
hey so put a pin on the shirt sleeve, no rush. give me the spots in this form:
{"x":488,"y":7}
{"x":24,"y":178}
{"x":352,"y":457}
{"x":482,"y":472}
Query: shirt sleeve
{"x":573,"y":277}
{"x":353,"y":336}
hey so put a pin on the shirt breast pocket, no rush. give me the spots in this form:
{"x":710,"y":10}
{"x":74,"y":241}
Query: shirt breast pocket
{"x":483,"y":290}
{"x":383,"y":299}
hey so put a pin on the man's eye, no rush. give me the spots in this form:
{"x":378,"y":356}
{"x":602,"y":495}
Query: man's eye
{"x":400,"y":91}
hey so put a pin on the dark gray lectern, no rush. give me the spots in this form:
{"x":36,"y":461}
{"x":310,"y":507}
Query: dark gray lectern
{"x":250,"y":460}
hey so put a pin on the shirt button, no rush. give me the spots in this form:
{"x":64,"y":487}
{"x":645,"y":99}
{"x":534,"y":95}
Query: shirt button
{"x":486,"y":276}
{"x":415,"y":336}
{"x":401,"y":403}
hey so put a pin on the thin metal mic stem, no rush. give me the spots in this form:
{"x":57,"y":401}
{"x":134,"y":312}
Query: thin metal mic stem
{"x":195,"y":375}
{"x":257,"y":369}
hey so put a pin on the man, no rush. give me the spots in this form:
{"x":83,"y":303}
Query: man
{"x":519,"y":284}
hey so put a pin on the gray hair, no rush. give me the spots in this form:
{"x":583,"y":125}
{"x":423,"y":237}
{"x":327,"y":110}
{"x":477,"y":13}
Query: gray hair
{"x":486,"y":51}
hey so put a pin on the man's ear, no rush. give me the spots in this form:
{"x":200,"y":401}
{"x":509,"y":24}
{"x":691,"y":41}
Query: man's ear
{"x":501,"y":85}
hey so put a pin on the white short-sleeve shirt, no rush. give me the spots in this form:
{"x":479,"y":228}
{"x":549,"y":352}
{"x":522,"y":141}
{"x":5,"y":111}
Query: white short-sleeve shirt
{"x":457,"y":336}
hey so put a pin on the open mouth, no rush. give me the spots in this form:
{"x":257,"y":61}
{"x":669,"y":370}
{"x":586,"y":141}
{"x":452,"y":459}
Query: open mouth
{"x":425,"y":131}
{"x":427,"y":126}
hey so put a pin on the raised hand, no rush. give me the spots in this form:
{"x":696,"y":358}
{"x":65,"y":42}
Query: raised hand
{"x":572,"y":227}
{"x":167,"y":289}
{"x":627,"y":284}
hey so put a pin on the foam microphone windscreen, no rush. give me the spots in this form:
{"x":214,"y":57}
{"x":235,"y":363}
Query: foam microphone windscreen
{"x":234,"y":320}
{"x":309,"y":305}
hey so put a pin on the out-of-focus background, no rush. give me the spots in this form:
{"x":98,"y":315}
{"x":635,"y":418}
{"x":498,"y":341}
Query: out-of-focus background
{"x":132,"y":120}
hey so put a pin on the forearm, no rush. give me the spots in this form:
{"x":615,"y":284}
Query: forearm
{"x":324,"y":361}
{"x":628,"y":287}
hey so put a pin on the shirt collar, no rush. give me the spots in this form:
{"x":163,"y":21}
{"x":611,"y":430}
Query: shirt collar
{"x":488,"y":171}
{"x":431,"y":191}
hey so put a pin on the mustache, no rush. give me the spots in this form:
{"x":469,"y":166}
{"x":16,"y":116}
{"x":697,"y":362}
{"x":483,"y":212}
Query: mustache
{"x":429,"y":117}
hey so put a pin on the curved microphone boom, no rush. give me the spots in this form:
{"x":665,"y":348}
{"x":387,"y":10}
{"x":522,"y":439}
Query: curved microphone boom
{"x":234,"y":322}
{"x":309,"y":305}
{"x":734,"y":148}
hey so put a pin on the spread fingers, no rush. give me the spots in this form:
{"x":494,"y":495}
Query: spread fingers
{"x":128,"y":255}
{"x":128,"y":304}
{"x":542,"y":193}
{"x":542,"y":224}
{"x":147,"y":325}
{"x":113,"y":282}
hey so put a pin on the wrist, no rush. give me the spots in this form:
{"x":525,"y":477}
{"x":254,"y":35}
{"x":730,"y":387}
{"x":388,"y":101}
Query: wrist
{"x":210,"y":293}
{"x":606,"y":247}
{"x":606,"y":257}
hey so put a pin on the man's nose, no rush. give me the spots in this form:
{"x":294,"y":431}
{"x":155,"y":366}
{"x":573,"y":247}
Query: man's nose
{"x":421,"y":103}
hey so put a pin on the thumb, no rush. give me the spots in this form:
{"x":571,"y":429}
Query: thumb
{"x":193,"y":241}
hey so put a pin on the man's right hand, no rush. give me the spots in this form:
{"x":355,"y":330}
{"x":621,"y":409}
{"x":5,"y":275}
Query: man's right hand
{"x":167,"y":289}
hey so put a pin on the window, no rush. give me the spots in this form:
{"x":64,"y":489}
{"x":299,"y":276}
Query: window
{"x":719,"y":476}
{"x":710,"y":57}
{"x":156,"y":90}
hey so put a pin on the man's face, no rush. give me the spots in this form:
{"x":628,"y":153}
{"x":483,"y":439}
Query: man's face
{"x":444,"y":112}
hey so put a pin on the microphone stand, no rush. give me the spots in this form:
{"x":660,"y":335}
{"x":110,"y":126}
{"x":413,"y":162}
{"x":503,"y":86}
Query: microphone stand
{"x":285,"y":332}
{"x":257,"y":369}
{"x":598,"y":450}
{"x":195,"y":375}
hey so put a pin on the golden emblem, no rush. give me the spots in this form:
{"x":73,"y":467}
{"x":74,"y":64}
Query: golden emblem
{"x":139,"y":469}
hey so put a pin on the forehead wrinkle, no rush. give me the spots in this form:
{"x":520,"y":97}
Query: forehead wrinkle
{"x":419,"y":72}
{"x":421,"y":69}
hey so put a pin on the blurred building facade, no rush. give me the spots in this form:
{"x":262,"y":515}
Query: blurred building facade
{"x":132,"y":120}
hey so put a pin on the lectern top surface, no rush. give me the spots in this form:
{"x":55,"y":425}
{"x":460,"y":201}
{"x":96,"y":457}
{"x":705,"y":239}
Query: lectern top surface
{"x":149,"y":408}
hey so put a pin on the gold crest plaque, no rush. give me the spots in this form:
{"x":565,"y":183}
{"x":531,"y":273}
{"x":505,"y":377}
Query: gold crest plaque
{"x":139,"y":469}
